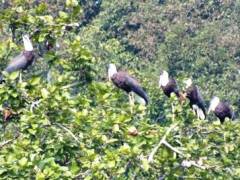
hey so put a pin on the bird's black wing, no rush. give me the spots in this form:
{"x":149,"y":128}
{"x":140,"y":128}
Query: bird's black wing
{"x":223,"y":110}
{"x":18,"y":63}
{"x":136,"y":88}
{"x":200,"y":101}
{"x":171,"y":87}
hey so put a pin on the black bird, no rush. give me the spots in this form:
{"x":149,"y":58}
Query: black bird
{"x":169,"y":86}
{"x":221,"y":109}
{"x":196,"y":99}
{"x":127,"y":83}
{"x":23,"y":60}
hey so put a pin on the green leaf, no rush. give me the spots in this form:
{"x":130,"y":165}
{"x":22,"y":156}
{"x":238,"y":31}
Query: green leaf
{"x":35,"y":81}
{"x":71,"y":3}
{"x":14,"y":75}
{"x":22,"y":162}
{"x":145,"y":164}
{"x":44,"y":93}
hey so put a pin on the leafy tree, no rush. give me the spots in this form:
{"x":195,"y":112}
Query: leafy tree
{"x":68,"y":122}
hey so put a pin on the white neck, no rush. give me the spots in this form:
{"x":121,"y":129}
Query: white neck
{"x":213,"y":104}
{"x":188,"y":83}
{"x":111,"y":71}
{"x":164,"y":79}
{"x":27,"y":43}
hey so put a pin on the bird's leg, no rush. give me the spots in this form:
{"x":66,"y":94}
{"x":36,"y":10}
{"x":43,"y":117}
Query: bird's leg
{"x":133,"y":99}
{"x":130,"y":102}
{"x":20,"y":77}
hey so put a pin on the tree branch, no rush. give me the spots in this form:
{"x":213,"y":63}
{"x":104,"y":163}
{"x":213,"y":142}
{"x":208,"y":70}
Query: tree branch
{"x":8,"y":141}
{"x":67,"y":130}
{"x":70,"y":85}
{"x":154,"y":151}
{"x":173,"y":148}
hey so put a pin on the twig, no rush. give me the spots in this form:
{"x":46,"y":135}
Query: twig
{"x":173,"y":112}
{"x":8,"y":141}
{"x":34,"y":104}
{"x":198,"y":166}
{"x":82,"y":174}
{"x":154,"y":151}
{"x":70,"y":132}
{"x":70,"y":85}
{"x":173,"y":148}
{"x":187,"y":164}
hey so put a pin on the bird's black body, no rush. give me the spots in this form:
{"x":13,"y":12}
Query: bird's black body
{"x":127,"y":83}
{"x":20,"y":62}
{"x":195,"y":98}
{"x":171,"y":87}
{"x":223,"y":111}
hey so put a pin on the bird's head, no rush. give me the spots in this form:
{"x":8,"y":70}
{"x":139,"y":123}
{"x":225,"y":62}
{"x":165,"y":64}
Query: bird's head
{"x":188,"y":82}
{"x":112,"y":69}
{"x":213,"y":104}
{"x":163,"y":80}
{"x":27,"y":43}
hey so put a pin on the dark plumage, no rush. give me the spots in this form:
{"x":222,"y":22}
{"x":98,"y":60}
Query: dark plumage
{"x":196,"y":99}
{"x":123,"y":81}
{"x":23,"y":60}
{"x":171,"y":87}
{"x":127,"y":83}
{"x":221,"y":109}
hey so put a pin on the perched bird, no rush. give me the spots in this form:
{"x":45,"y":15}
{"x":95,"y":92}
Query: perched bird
{"x":23,"y":60}
{"x":196,"y":99}
{"x":169,"y":86}
{"x":127,"y":83}
{"x":221,"y":109}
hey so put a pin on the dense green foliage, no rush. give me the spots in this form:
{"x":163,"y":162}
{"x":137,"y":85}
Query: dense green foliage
{"x":70,"y":122}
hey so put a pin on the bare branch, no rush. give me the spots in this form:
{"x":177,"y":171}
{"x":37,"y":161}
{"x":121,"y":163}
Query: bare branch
{"x":70,"y":85}
{"x":8,"y":141}
{"x":67,"y":130}
{"x":173,"y":148}
{"x":154,"y":151}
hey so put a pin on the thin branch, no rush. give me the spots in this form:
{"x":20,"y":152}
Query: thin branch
{"x":82,"y":174}
{"x":173,"y":148}
{"x":154,"y":151}
{"x":8,"y":141}
{"x":67,"y":130}
{"x":70,"y":85}
{"x":198,"y":166}
{"x":189,"y":163}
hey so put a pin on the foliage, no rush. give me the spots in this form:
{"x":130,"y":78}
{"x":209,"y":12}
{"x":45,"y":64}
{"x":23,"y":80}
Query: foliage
{"x":68,"y":122}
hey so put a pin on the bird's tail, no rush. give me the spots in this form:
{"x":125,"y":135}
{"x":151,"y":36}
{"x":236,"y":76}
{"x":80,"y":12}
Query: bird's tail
{"x":201,"y":114}
{"x":140,"y":92}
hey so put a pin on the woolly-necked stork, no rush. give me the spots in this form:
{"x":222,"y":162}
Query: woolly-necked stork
{"x":23,"y":60}
{"x":221,"y":109}
{"x":196,"y":99}
{"x":169,"y":86}
{"x":127,"y":83}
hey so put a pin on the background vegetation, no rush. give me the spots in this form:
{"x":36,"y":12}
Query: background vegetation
{"x":82,"y":127}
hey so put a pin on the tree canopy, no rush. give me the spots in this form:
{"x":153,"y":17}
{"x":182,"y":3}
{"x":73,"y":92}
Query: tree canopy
{"x":69,"y":122}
